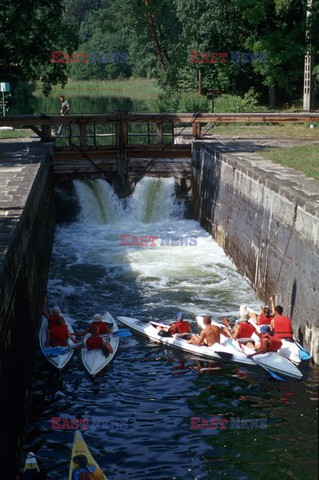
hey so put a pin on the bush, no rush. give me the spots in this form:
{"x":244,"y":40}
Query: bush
{"x":236,"y":104}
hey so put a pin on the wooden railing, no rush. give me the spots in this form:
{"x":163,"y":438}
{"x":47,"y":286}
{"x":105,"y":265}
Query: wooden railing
{"x":89,"y":130}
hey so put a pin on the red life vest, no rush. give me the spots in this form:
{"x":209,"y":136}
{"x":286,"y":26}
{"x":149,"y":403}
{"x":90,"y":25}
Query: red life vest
{"x":59,"y":335}
{"x":275,"y":342}
{"x":182,"y":327}
{"x":52,"y":320}
{"x":94,"y":343}
{"x":102,"y":327}
{"x":245,"y":330}
{"x":263,"y":320}
{"x":282,"y":327}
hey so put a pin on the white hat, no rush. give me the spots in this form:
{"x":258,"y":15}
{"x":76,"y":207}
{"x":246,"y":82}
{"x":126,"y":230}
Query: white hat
{"x":97,"y":317}
{"x":55,"y":311}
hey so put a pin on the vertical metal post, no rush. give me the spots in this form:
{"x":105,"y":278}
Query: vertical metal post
{"x":3,"y":104}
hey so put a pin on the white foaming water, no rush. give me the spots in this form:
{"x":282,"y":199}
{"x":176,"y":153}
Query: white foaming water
{"x":143,"y":280}
{"x":98,"y":201}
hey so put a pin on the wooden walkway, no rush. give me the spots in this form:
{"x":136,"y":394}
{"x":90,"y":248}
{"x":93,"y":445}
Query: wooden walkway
{"x":131,"y":145}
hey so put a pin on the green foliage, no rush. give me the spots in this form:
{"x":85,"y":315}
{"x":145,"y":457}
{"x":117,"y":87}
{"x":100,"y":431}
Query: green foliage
{"x":29,"y":32}
{"x":236,"y":104}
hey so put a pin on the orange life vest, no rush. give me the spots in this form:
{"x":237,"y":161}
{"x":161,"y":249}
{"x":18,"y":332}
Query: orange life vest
{"x":182,"y":327}
{"x":102,"y":327}
{"x":282,"y":327}
{"x":263,"y":320}
{"x":52,"y":320}
{"x":94,"y":343}
{"x":245,"y":330}
{"x":59,"y":335}
{"x":275,"y":342}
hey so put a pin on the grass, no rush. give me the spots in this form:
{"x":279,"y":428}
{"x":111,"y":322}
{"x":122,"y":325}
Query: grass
{"x":136,"y":88}
{"x":304,"y":158}
{"x":4,"y":134}
{"x":294,"y":130}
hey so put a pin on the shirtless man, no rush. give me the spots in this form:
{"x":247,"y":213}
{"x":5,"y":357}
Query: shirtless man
{"x":208,"y":336}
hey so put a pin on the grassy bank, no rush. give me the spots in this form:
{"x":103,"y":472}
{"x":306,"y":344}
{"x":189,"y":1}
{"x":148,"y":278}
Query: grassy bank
{"x":298,"y":130}
{"x":15,"y":133}
{"x":137,"y":88}
{"x":304,"y":158}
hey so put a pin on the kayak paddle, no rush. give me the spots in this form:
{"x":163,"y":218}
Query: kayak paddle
{"x":59,"y":350}
{"x":304,"y":354}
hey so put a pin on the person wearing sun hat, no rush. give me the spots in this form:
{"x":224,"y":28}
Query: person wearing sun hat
{"x":98,"y":322}
{"x":180,"y":326}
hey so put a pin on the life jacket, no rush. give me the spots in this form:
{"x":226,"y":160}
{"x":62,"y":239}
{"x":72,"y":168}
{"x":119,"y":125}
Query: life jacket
{"x":263,"y":320}
{"x":101,"y":325}
{"x":52,"y":320}
{"x":245,"y":330}
{"x":83,"y":474}
{"x":282,"y":327}
{"x":182,"y":327}
{"x":94,"y":343}
{"x":59,"y":335}
{"x":275,"y":342}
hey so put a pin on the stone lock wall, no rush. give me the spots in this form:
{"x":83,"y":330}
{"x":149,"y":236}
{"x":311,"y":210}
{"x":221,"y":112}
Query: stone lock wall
{"x":269,"y":225}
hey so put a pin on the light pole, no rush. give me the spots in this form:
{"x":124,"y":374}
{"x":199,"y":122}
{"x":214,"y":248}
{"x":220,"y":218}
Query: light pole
{"x":307,"y":84}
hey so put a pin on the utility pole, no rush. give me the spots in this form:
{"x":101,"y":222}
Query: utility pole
{"x":307,"y":84}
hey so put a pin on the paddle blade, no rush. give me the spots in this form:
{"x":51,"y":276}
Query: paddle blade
{"x":274,"y":375}
{"x":55,"y":351}
{"x":304,"y":355}
{"x":123,"y":332}
{"x":225,"y":355}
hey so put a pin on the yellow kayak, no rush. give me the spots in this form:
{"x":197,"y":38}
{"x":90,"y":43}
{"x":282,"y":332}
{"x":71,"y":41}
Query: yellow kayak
{"x":31,"y":464}
{"x":82,"y":454}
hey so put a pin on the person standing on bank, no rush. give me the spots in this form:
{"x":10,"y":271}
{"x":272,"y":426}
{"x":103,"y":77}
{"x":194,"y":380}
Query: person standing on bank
{"x":65,"y":108}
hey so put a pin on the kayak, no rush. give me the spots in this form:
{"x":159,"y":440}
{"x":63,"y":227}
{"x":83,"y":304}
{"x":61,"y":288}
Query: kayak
{"x":31,"y":466}
{"x":95,"y":360}
{"x":274,"y":361}
{"x":288,"y":349}
{"x":228,"y":352}
{"x":79,"y":447}
{"x":59,"y":361}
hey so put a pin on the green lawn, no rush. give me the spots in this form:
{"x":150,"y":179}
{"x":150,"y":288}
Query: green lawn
{"x":293,"y":130}
{"x":134,"y":88}
{"x":15,"y":133}
{"x":304,"y":158}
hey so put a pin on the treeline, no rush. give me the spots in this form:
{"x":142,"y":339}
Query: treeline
{"x":157,"y":38}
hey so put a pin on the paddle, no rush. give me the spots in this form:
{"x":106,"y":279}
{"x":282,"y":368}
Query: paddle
{"x":304,"y":354}
{"x":225,"y":355}
{"x":59,"y":350}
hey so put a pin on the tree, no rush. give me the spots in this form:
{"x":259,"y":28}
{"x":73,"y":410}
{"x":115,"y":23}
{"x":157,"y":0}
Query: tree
{"x":29,"y":31}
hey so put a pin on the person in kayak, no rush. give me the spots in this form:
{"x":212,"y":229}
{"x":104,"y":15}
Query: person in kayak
{"x":269,"y":342}
{"x":95,"y":342}
{"x":86,"y":471}
{"x":281,"y":326}
{"x":180,"y":326}
{"x":208,"y":336}
{"x":98,"y":322}
{"x":242,"y":329}
{"x":59,"y":334}
{"x":52,"y":316}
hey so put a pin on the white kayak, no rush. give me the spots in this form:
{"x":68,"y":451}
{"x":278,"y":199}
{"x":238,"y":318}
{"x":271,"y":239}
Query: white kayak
{"x":95,"y":360}
{"x":226,"y":352}
{"x":274,"y":361}
{"x":61,"y":360}
{"x":288,"y":349}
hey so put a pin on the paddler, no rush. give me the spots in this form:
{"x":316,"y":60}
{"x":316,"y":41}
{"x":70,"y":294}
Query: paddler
{"x":242,"y":329}
{"x":269,"y":342}
{"x":86,"y":471}
{"x":59,"y":334}
{"x":280,"y":325}
{"x":52,"y":315}
{"x":180,"y":326}
{"x":208,"y":336}
{"x":98,"y":322}
{"x":95,"y":342}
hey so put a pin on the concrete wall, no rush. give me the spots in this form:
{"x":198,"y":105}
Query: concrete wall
{"x":26,"y":236}
{"x":267,"y":220}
